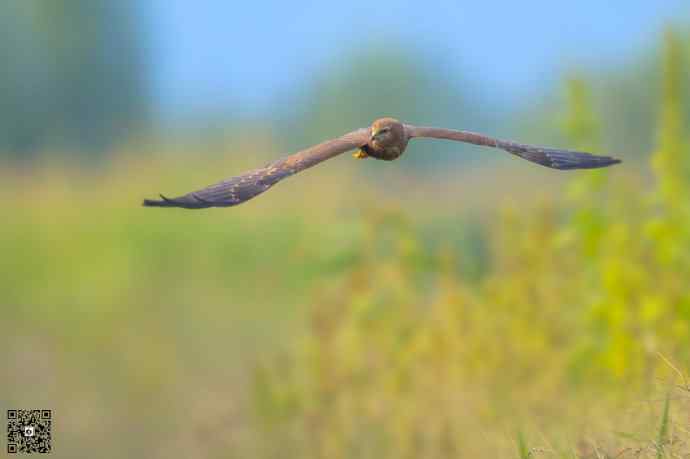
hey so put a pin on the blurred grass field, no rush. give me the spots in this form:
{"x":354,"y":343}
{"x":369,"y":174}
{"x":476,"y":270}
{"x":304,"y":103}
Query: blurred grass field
{"x":349,"y":314}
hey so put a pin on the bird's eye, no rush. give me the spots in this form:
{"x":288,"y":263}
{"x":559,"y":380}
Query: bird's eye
{"x":384,"y":130}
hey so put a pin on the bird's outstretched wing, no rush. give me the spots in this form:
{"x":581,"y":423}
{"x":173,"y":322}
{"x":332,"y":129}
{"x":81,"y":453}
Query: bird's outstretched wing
{"x":241,"y":188}
{"x":549,"y":157}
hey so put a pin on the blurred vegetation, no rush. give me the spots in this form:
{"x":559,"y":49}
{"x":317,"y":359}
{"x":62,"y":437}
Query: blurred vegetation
{"x":408,"y":321}
{"x":73,"y":76}
{"x":586,"y":299}
{"x":624,"y":95}
{"x":385,"y":80}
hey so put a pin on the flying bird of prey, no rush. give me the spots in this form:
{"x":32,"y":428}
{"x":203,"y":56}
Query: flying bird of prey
{"x":386,"y":139}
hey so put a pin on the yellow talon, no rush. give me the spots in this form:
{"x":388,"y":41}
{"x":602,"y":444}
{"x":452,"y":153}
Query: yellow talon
{"x":360,"y":154}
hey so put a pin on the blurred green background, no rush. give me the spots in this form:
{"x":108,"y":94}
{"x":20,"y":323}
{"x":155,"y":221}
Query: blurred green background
{"x":455,"y":303}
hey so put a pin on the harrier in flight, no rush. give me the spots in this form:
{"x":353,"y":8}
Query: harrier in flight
{"x":386,"y":139}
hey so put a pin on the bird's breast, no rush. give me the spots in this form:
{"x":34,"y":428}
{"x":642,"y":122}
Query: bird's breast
{"x":386,"y":153}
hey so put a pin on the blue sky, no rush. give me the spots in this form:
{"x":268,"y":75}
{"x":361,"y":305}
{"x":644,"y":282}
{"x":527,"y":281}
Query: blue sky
{"x":213,"y":54}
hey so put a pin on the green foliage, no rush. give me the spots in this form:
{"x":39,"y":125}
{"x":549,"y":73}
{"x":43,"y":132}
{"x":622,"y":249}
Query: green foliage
{"x":581,"y":294}
{"x":662,"y":437}
{"x":387,"y":81}
{"x":671,"y":162}
{"x":416,"y":332}
{"x":73,"y":74}
{"x":523,"y":450}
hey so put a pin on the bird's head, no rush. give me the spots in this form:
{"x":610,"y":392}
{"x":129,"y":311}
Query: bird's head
{"x":386,"y":132}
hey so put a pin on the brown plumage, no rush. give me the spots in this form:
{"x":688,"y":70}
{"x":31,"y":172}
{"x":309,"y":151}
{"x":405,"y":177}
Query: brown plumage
{"x":386,"y":139}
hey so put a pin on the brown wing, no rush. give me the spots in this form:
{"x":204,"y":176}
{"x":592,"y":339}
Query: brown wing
{"x":241,"y":188}
{"x":549,"y":157}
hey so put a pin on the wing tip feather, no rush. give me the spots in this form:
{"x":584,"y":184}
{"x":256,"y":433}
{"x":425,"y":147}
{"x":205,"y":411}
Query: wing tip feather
{"x":182,"y":202}
{"x":163,"y":202}
{"x":244,"y":187}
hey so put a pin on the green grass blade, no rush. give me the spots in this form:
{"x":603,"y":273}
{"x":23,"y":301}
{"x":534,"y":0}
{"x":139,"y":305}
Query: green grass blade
{"x":523,"y":450}
{"x":663,"y":429}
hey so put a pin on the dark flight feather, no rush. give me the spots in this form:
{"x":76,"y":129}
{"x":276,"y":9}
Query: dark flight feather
{"x":241,"y":188}
{"x":548,"y":157}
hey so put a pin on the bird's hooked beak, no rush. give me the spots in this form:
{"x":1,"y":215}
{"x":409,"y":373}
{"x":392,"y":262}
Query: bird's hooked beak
{"x":376,"y":134}
{"x":380,"y":132}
